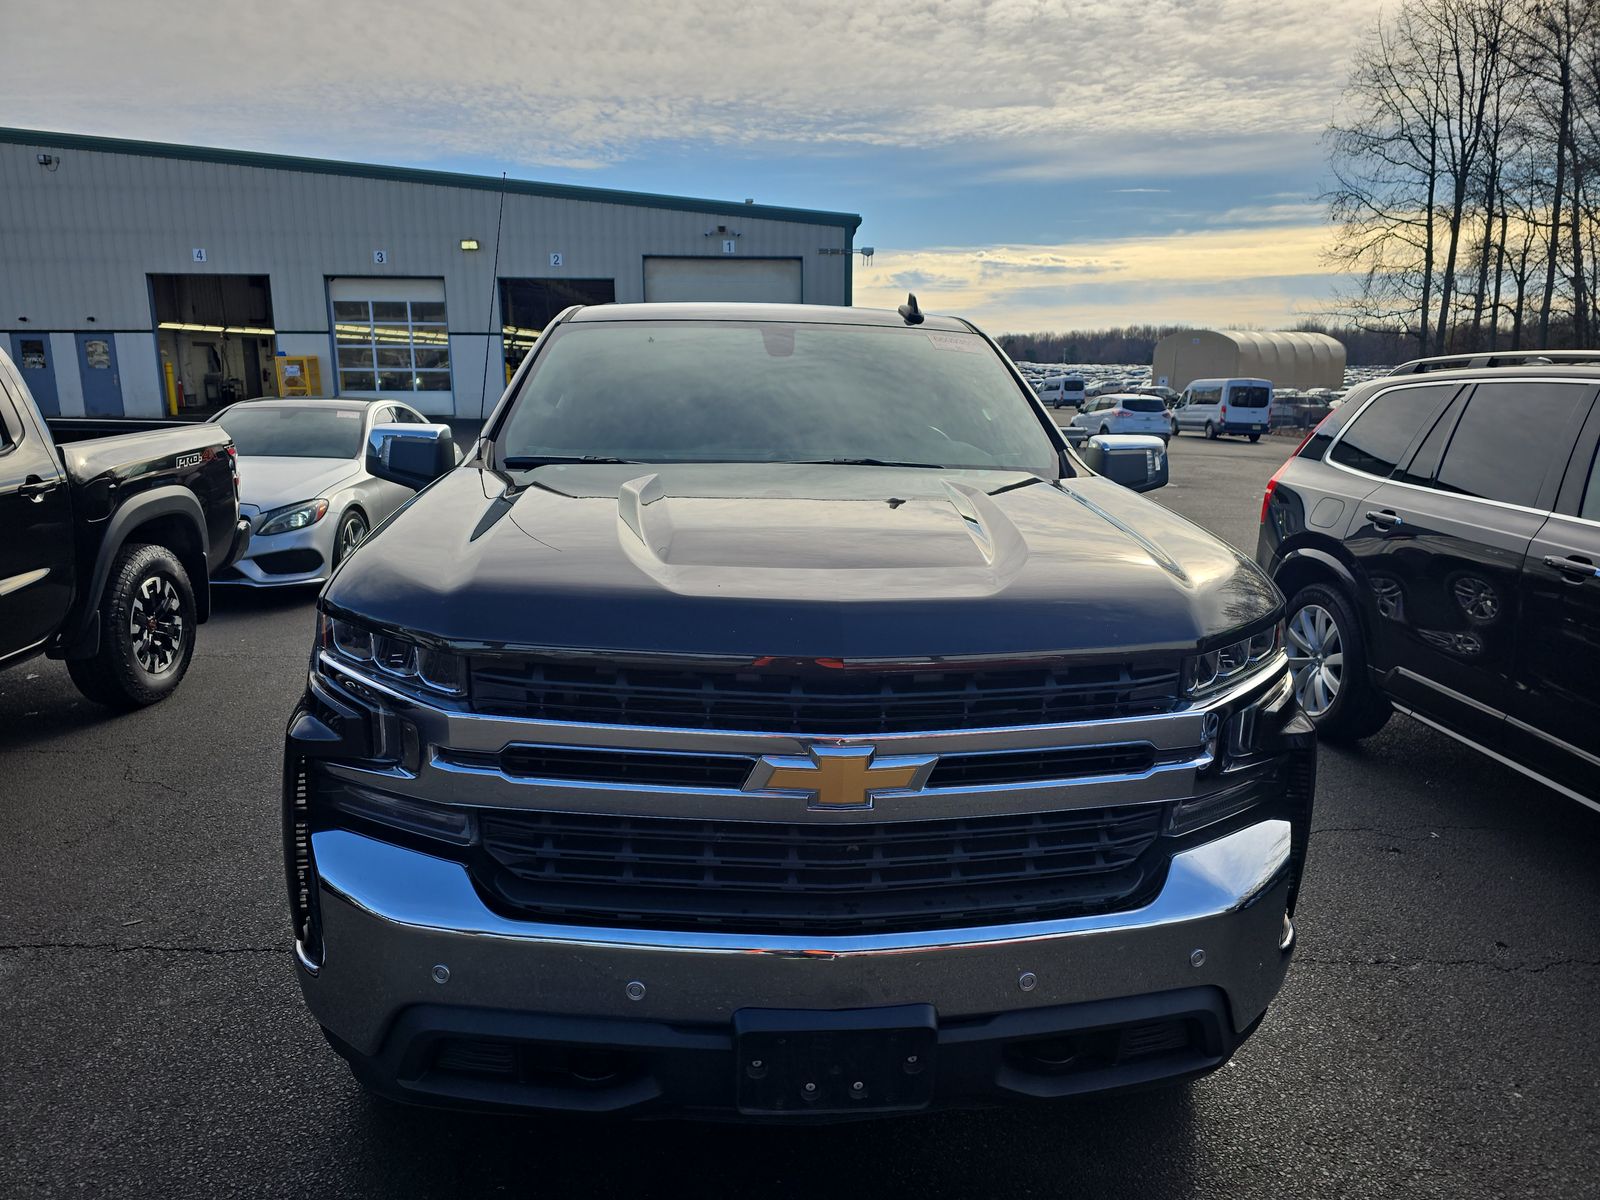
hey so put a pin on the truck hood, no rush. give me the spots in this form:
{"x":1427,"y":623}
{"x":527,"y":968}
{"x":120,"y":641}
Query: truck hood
{"x":789,"y":560}
{"x":269,"y":483}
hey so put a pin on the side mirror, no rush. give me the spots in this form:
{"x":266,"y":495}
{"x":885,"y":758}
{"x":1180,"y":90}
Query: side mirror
{"x":1134,"y":460}
{"x":411,"y":455}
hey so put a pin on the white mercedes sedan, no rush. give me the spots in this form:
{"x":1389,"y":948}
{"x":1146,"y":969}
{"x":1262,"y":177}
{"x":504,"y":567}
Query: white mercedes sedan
{"x":303,"y":484}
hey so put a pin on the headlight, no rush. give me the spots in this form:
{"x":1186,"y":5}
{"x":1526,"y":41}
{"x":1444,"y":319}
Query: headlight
{"x":297,"y":516}
{"x":436,"y":670}
{"x":1206,"y":673}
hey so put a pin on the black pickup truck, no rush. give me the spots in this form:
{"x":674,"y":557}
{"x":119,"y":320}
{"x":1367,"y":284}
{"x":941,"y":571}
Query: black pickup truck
{"x":106,"y":544}
{"x":773,"y":716}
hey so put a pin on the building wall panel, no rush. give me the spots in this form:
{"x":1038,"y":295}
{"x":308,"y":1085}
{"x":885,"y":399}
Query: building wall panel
{"x":79,"y":239}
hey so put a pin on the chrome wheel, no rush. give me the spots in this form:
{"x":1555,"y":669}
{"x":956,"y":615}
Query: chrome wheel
{"x":1316,"y":658}
{"x":155,"y":624}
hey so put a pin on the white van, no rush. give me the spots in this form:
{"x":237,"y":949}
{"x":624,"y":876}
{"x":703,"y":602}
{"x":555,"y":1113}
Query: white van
{"x":1218,"y":406}
{"x":1062,"y":390}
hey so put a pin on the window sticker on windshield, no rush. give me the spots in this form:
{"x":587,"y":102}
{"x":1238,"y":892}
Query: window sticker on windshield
{"x":956,"y":341}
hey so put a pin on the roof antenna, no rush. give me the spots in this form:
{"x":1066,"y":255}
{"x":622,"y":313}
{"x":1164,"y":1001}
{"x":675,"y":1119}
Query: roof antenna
{"x":910,"y":311}
{"x":494,"y":281}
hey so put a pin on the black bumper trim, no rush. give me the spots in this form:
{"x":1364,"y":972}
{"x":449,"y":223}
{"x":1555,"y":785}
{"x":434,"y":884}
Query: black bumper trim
{"x":641,"y":1068}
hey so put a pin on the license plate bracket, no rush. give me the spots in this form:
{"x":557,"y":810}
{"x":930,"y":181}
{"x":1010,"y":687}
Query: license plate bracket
{"x":854,"y":1060}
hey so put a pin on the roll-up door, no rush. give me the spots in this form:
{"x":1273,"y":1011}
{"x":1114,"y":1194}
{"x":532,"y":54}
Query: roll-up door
{"x":748,"y":280}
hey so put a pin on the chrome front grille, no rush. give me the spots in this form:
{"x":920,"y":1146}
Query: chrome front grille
{"x":612,"y":823}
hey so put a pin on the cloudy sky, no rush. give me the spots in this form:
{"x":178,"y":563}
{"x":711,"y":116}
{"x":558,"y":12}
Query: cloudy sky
{"x":1034,"y":164}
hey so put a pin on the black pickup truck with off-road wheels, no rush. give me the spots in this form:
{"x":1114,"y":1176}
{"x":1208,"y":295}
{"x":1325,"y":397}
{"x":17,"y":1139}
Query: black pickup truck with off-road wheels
{"x":106,"y":545}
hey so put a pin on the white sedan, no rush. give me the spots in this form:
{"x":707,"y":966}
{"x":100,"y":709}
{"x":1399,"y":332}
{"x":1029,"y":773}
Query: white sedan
{"x":303,"y":484}
{"x":1123,"y":412}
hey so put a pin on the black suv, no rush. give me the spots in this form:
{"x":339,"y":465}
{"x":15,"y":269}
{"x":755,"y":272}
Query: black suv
{"x":1439,"y":539}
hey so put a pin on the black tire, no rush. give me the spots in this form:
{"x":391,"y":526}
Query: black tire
{"x":1175,"y":430}
{"x":1211,"y":431}
{"x":147,"y":625}
{"x":1255,"y":437}
{"x":1105,"y":430}
{"x":352,"y":532}
{"x":1356,"y":709}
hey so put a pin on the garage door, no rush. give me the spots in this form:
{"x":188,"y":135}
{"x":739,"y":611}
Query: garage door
{"x":757,"y":280}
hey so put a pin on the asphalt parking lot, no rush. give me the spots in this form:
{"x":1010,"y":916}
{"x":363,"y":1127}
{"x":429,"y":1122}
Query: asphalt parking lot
{"x":1436,"y":1036}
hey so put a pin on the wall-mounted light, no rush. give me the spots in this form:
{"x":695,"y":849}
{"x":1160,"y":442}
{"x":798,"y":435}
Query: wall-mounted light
{"x":469,"y":243}
{"x":48,"y":161}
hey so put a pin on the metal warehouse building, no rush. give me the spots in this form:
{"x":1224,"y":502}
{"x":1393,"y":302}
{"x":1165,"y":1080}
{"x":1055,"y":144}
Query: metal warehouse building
{"x":137,"y":278}
{"x":1288,"y":359}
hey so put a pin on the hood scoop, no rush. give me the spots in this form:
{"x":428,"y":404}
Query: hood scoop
{"x":874,"y":543}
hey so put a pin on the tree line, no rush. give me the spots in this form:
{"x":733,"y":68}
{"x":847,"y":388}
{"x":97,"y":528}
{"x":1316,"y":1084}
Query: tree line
{"x":1466,"y":159}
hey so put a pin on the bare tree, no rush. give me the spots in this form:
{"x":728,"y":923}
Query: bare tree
{"x":1550,"y":34}
{"x":1465,"y":154}
{"x":1469,"y":37}
{"x":1523,"y":201}
{"x":1387,"y":161}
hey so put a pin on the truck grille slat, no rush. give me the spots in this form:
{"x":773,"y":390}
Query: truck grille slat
{"x":659,"y":769}
{"x":807,"y":877}
{"x":846,"y":701}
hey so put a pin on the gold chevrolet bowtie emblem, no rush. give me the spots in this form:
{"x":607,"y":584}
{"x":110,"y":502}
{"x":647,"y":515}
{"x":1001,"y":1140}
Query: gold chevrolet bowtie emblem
{"x":840,"y":776}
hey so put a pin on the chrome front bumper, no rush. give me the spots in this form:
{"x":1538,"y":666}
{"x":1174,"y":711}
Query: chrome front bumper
{"x":402,"y":929}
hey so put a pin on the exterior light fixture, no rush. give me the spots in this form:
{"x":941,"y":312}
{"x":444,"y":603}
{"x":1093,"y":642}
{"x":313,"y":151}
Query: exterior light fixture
{"x":469,"y":243}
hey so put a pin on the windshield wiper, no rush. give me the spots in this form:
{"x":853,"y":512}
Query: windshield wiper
{"x":526,"y":462}
{"x":863,"y":462}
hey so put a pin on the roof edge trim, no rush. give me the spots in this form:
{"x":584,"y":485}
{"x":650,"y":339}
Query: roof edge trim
{"x":48,"y":140}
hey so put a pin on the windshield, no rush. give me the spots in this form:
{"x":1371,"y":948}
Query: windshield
{"x":1249,"y":397}
{"x":1072,"y":385}
{"x":725,"y":391}
{"x":293,"y":432}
